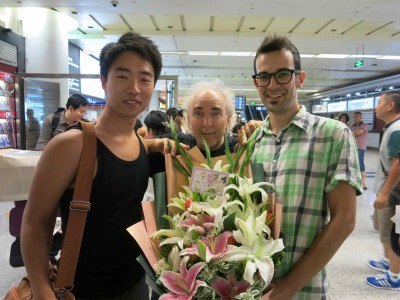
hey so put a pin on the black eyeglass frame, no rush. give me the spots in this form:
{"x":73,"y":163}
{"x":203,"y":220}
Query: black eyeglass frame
{"x":274,"y":75}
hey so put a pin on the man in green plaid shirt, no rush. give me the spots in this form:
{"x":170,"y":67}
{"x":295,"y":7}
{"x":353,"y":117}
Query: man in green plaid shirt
{"x":313,"y":163}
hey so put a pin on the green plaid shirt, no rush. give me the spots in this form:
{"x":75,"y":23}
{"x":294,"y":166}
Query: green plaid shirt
{"x":305,"y":161}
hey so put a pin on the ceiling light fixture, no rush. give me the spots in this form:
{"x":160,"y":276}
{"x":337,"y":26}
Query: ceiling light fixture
{"x":307,"y":55}
{"x":364,"y":56}
{"x":389,"y":57}
{"x":210,"y":53}
{"x":225,"y":53}
{"x":331,"y":55}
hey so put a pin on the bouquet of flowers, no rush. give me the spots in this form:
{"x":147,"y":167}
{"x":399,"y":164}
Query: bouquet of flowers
{"x":218,"y":244}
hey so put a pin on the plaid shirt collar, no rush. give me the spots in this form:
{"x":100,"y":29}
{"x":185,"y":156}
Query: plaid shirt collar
{"x":301,"y":120}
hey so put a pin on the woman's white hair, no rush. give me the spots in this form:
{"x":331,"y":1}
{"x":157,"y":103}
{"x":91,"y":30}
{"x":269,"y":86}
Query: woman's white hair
{"x":215,"y":86}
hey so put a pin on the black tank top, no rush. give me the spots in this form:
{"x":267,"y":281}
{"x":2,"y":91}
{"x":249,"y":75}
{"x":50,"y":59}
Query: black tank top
{"x":107,"y":263}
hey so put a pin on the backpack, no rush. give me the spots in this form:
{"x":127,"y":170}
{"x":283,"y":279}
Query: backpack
{"x":56,"y":118}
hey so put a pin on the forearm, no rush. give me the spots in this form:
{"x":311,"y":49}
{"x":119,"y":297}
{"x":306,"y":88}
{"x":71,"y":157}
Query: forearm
{"x":392,"y":180}
{"x":155,"y":145}
{"x":35,"y":245}
{"x":342,"y":207}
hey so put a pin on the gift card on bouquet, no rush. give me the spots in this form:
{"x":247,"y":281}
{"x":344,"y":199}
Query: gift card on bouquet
{"x":208,"y":181}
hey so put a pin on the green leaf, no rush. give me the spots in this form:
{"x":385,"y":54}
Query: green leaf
{"x":229,"y":222}
{"x":179,"y":147}
{"x":208,"y":153}
{"x":249,"y":151}
{"x":228,"y":155}
{"x":202,"y":250}
{"x":177,"y":164}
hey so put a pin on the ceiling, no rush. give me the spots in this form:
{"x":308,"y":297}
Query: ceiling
{"x":356,"y":28}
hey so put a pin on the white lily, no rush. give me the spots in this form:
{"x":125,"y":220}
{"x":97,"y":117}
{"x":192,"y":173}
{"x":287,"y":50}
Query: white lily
{"x":174,"y":259}
{"x":218,"y":166}
{"x":175,"y":235}
{"x":246,"y":188}
{"x":251,"y":229}
{"x":255,"y":248}
{"x":258,"y":258}
{"x":215,"y":208}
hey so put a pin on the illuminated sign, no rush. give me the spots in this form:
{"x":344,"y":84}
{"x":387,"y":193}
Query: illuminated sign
{"x":358,"y":64}
{"x":337,"y":106}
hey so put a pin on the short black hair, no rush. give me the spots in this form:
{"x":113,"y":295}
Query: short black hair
{"x":277,"y":43}
{"x":133,"y":42}
{"x":172,"y":112}
{"x":76,"y":100}
{"x":393,"y":96}
{"x":158,"y":121}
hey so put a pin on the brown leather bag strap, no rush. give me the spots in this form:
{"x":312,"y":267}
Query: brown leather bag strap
{"x":79,"y":208}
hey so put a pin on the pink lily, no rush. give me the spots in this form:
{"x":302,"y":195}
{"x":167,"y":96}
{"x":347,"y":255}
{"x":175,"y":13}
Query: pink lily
{"x":183,"y":285}
{"x":208,"y":248}
{"x":202,"y":224}
{"x":228,"y":288}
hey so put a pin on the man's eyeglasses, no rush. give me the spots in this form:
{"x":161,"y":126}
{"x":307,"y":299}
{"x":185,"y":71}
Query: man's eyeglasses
{"x":281,"y":77}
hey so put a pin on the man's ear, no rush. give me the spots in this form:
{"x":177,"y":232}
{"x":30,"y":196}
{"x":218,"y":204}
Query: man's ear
{"x":227,"y":124}
{"x":103,"y":82}
{"x":300,"y":79}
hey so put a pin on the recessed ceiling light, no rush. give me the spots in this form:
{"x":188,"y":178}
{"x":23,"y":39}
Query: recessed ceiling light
{"x":91,"y":27}
{"x":74,"y":12}
{"x":170,"y":26}
{"x":252,"y":28}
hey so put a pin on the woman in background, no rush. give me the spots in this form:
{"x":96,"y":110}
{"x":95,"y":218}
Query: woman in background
{"x":344,"y":118}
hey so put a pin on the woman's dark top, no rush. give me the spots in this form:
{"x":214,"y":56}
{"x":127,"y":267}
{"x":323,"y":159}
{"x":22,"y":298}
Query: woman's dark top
{"x":107,"y":263}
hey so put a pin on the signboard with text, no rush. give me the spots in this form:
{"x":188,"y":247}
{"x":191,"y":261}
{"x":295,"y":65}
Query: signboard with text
{"x":319,"y":108}
{"x":361,"y":104}
{"x":337,"y":106}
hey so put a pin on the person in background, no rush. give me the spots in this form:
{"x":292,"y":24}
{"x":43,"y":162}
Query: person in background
{"x":387,"y":189}
{"x":333,"y":116}
{"x":344,"y":118}
{"x":157,"y":123}
{"x":179,"y":119}
{"x":312,"y":161}
{"x":58,"y":122}
{"x":360,"y":131}
{"x":239,"y":124}
{"x":32,"y":130}
{"x":107,"y":266}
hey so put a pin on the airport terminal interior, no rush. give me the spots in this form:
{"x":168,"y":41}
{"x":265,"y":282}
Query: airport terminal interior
{"x":350,"y":51}
{"x":347,"y":271}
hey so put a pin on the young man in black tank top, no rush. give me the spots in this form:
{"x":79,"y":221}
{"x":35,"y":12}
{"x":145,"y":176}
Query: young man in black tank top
{"x":107,"y":267}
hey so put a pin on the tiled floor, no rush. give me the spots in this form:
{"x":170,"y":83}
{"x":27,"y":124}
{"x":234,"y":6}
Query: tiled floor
{"x":347,"y":270}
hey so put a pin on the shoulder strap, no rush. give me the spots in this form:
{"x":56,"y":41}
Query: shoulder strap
{"x":56,"y":119}
{"x":79,"y":208}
